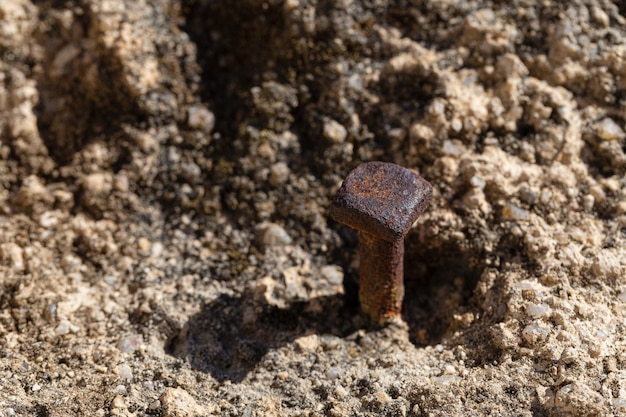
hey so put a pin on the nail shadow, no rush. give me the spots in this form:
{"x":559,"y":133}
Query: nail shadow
{"x":439,"y":283}
{"x":231,"y":335}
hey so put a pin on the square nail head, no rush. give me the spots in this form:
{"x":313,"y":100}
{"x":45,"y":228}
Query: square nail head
{"x":381,"y":198}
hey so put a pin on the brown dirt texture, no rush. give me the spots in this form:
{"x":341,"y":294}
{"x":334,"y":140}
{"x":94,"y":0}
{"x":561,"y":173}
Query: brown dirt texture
{"x":166,"y":170}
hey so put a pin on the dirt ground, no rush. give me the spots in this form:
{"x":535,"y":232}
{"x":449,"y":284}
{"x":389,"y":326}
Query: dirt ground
{"x":166,"y":169}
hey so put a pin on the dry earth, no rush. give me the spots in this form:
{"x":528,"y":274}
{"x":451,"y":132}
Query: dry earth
{"x":166,"y":168}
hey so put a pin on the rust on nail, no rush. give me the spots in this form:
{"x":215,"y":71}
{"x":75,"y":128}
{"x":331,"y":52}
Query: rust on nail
{"x":382,"y":201}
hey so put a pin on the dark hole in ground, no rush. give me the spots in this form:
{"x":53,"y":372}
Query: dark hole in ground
{"x":439,"y":283}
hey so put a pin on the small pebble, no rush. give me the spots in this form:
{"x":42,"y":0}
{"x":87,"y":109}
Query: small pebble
{"x":154,"y":406}
{"x":198,"y":117}
{"x":144,"y":246}
{"x":340,"y":392}
{"x":600,"y":17}
{"x":120,"y":183}
{"x":511,"y":211}
{"x":130,"y":343}
{"x":126,"y":372}
{"x":382,"y":397}
{"x":588,"y":202}
{"x":333,"y":373}
{"x":453,"y":148}
{"x":449,"y":370}
{"x":110,"y":280}
{"x":538,"y":310}
{"x":535,"y":332}
{"x":307,"y":343}
{"x":272,"y":234}
{"x":36,"y":387}
{"x":120,"y":390}
{"x":456,"y":125}
{"x":333,"y":274}
{"x":279,"y":173}
{"x":335,"y":131}
{"x":191,"y":171}
{"x":619,"y":404}
{"x":14,"y":254}
{"x":118,"y":402}
{"x":48,"y":219}
{"x":63,"y":328}
{"x":607,"y":129}
{"x":477,"y":182}
{"x":98,"y":183}
{"x":177,"y":402}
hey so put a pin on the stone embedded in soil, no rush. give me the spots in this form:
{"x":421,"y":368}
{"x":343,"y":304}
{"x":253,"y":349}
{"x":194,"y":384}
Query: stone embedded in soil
{"x":608,"y":130}
{"x":199,"y":117}
{"x":130,"y":343}
{"x":271,"y":234}
{"x":176,"y":402}
{"x":279,"y":173}
{"x":335,"y":131}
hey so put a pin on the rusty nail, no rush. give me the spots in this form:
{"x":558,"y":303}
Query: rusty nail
{"x":382,"y":201}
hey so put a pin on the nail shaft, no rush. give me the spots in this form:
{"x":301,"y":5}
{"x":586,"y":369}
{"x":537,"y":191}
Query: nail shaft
{"x":381,"y":273}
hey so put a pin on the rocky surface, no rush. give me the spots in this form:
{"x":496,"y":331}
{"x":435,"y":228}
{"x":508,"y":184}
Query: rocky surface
{"x":166,"y":170}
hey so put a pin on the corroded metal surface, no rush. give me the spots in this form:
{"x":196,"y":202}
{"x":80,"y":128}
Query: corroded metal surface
{"x":381,"y":273}
{"x":382,"y":201}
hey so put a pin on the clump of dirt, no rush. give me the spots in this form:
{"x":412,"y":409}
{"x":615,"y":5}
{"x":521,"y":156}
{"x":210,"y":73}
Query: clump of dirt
{"x":166,"y":172}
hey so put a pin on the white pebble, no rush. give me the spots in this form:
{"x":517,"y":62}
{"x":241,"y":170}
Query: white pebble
{"x":456,"y":125}
{"x":535,"y":332}
{"x":198,"y":117}
{"x":333,"y":373}
{"x":588,"y":202}
{"x":511,"y":211}
{"x":63,"y":327}
{"x":36,"y":387}
{"x":453,"y":148}
{"x":273,"y":235}
{"x":477,"y":182}
{"x":48,"y":219}
{"x":110,"y":280}
{"x":120,"y":390}
{"x":118,"y":402}
{"x":333,"y":274}
{"x":538,"y":310}
{"x":334,"y":131}
{"x":607,"y":129}
{"x":130,"y":343}
{"x":125,"y":371}
{"x":619,"y":404}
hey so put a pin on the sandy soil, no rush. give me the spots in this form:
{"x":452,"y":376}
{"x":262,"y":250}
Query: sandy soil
{"x":166,"y":169}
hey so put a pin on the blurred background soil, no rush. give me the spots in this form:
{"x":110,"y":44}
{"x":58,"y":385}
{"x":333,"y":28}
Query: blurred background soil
{"x":166,"y":168}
